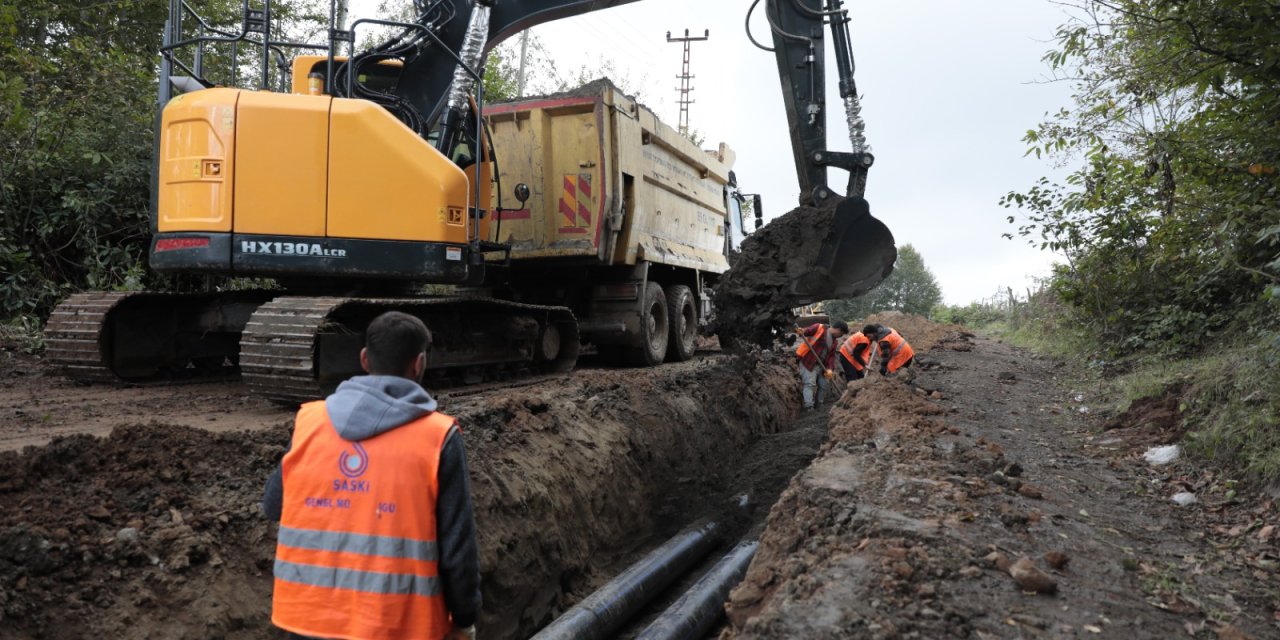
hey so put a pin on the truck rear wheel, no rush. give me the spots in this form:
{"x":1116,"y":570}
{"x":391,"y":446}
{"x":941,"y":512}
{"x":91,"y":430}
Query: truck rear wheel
{"x":683,"y":323}
{"x":655,"y":324}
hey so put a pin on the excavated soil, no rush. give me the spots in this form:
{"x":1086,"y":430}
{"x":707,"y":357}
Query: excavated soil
{"x":987,"y":501}
{"x":755,"y":295}
{"x":923,"y":334}
{"x":156,"y":530}
{"x":912,"y":522}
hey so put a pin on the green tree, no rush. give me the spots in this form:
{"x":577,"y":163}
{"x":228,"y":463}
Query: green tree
{"x":77,"y":108}
{"x":911,"y":288}
{"x":77,"y":96}
{"x":1171,"y":219}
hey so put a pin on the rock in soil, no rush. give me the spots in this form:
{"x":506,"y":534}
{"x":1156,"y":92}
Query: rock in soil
{"x":1031,"y":578}
{"x":1056,"y":560}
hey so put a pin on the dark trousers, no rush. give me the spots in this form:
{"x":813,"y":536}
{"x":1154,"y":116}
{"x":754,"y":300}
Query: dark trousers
{"x":850,"y":373}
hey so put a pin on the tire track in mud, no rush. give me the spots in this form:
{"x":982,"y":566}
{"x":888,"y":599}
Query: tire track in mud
{"x":37,"y":405}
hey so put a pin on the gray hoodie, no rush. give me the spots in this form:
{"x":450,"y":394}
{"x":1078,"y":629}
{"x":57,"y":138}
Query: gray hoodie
{"x":366,"y":406}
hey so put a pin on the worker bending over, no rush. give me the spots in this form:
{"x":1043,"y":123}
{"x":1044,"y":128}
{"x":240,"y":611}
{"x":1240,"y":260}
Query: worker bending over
{"x":895,"y":352}
{"x":817,"y":358}
{"x":855,"y":355}
{"x":377,"y":537}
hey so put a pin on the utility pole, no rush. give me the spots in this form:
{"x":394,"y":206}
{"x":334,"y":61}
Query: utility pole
{"x":685,"y":76}
{"x":524,"y":56}
{"x":340,"y":14}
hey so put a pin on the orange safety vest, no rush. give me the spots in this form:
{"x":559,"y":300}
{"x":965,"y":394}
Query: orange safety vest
{"x":899,"y":351}
{"x":356,"y":557}
{"x":846,"y":349}
{"x":817,"y":340}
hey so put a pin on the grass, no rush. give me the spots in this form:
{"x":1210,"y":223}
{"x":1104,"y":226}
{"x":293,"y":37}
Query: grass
{"x":1230,"y":401}
{"x":1234,"y":416}
{"x":22,"y":333}
{"x":1229,"y":393}
{"x":1050,"y":341}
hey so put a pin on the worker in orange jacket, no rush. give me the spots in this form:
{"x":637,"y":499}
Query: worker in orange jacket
{"x":377,"y":538}
{"x":817,"y":365}
{"x":895,"y":352}
{"x":855,"y":354}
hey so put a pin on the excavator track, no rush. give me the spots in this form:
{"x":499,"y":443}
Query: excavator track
{"x":149,"y":337}
{"x":296,"y":349}
{"x":73,"y":336}
{"x":277,"y":350}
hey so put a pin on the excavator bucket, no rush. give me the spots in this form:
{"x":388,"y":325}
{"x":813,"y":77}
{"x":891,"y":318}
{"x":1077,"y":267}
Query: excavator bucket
{"x":807,"y":255}
{"x":855,"y":256}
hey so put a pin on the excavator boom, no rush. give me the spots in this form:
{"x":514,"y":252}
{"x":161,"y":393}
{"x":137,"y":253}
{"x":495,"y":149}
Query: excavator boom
{"x":354,"y":177}
{"x":857,"y":250}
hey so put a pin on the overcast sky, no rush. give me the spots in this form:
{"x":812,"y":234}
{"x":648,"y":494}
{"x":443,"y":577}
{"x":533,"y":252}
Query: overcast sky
{"x":949,"y":88}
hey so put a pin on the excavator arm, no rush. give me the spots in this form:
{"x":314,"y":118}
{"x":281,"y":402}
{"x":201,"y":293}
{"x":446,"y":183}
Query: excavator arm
{"x":856,"y":253}
{"x":436,"y":86}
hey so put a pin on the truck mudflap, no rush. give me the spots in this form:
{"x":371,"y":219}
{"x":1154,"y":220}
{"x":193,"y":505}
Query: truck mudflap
{"x":297,"y":349}
{"x":149,"y":337}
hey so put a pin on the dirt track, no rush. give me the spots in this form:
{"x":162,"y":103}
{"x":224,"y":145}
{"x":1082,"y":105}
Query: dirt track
{"x":155,"y":530}
{"x":907,"y":523}
{"x":38,"y":405}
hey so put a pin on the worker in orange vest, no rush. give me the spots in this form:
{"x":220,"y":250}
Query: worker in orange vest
{"x":854,"y":355}
{"x":895,"y":352}
{"x":818,"y":368}
{"x":377,"y":537}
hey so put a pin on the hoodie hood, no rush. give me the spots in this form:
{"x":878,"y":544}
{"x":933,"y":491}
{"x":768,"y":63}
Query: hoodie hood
{"x":365,"y":406}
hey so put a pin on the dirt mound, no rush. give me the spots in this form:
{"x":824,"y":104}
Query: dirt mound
{"x":1151,"y":420}
{"x":977,"y":510}
{"x":837,"y":535}
{"x":156,"y":531}
{"x":152,"y":532}
{"x":923,"y":333}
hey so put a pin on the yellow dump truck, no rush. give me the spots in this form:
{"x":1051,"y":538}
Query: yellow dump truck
{"x":625,"y":220}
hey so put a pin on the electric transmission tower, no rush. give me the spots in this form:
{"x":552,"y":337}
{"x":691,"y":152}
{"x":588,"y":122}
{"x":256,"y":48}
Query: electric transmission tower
{"x":685,"y":76}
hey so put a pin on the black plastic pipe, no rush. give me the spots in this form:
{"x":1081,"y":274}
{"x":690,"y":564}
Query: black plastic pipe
{"x":601,"y":614}
{"x":697,"y":611}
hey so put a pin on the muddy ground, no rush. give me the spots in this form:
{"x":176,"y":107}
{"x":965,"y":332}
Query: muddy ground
{"x":155,"y":530}
{"x":905,"y":526}
{"x":998,"y":506}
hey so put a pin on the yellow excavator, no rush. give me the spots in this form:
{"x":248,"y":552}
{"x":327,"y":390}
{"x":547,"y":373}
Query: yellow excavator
{"x":354,"y":178}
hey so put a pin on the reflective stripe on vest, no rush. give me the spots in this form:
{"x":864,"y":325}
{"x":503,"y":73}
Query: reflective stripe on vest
{"x":803,"y":349}
{"x":854,"y":340}
{"x":357,"y":553}
{"x":352,"y":580}
{"x":899,"y":350}
{"x":343,"y":542}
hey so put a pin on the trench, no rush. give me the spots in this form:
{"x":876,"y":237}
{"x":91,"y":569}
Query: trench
{"x":573,"y":479}
{"x":625,"y":461}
